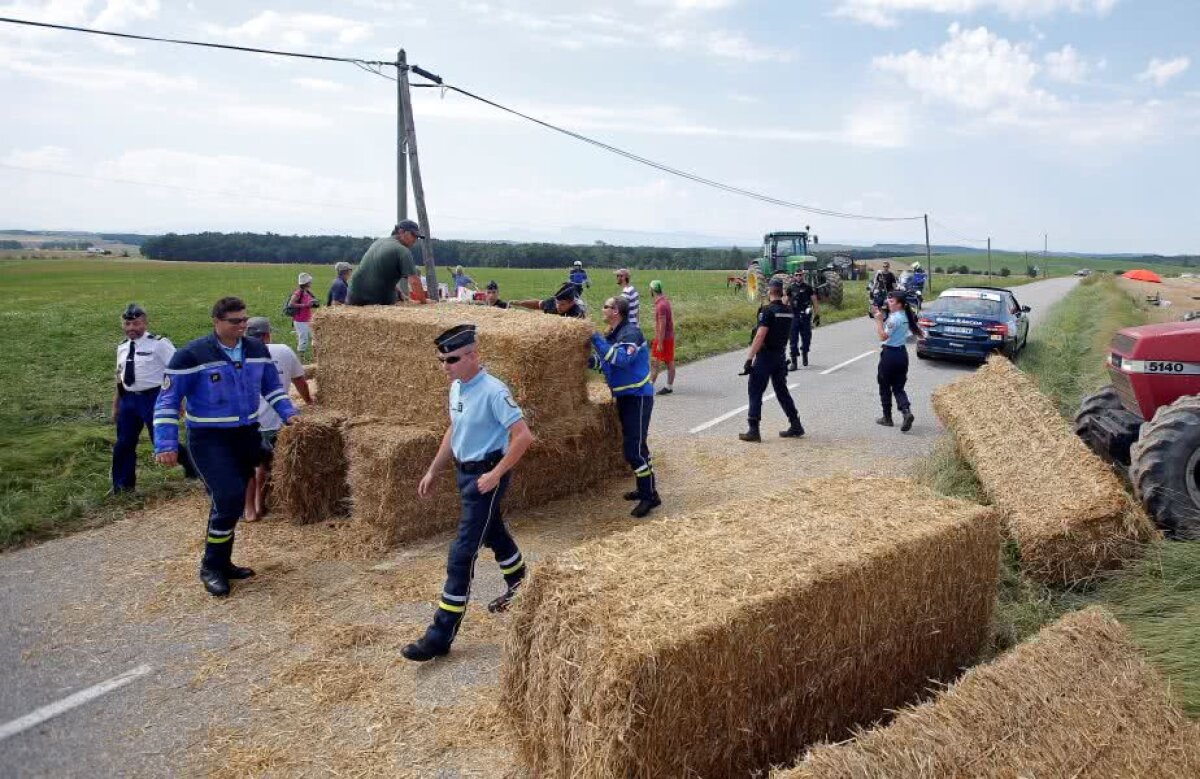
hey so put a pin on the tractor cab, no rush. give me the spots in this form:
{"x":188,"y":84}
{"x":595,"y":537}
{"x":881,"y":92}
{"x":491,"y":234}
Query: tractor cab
{"x":783,"y":253}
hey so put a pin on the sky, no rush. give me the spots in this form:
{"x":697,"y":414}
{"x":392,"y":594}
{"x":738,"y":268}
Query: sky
{"x":1069,"y":121}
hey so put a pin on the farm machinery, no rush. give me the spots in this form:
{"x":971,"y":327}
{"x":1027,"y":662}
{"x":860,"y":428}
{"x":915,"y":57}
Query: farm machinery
{"x":786,"y":253}
{"x":1147,"y":422}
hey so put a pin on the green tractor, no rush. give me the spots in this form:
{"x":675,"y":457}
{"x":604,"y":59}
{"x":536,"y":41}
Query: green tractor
{"x":783,"y":255}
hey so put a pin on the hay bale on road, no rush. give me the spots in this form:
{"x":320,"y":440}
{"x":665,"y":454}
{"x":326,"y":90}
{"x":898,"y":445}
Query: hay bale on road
{"x":308,"y":474}
{"x":383,"y":360}
{"x":1067,"y":510}
{"x":721,"y":642}
{"x":1076,"y":700}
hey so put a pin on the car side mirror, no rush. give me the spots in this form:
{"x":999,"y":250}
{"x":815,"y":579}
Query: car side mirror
{"x":1025,"y":309}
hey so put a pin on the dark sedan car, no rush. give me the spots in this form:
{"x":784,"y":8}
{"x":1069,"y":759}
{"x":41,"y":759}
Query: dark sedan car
{"x":972,"y":322}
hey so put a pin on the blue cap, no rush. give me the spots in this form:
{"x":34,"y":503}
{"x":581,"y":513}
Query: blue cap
{"x":455,"y":338}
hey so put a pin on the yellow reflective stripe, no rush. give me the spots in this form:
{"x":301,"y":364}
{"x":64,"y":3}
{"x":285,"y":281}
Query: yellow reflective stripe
{"x":191,"y":418}
{"x":608,"y":355}
{"x":632,"y":386}
{"x":645,"y":471}
{"x":215,"y":540}
{"x":517,"y":567}
{"x":448,"y":607}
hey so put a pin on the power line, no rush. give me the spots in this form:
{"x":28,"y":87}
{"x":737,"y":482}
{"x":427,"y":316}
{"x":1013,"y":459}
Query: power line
{"x":957,"y":234}
{"x":184,"y":42}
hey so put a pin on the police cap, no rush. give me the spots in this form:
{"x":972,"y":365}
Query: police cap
{"x":775,"y":283}
{"x":455,"y":338}
{"x":565,"y":292}
{"x":132,"y":311}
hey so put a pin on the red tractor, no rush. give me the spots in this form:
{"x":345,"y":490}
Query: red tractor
{"x":1147,"y":422}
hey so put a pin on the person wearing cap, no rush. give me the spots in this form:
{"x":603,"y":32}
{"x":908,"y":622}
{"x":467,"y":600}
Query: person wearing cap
{"x":386,"y":263}
{"x":287,"y":364}
{"x":622,"y":356}
{"x":767,"y":364}
{"x":220,"y":377}
{"x":339,"y":289}
{"x":301,"y":303}
{"x":491,"y":296}
{"x":578,"y":276}
{"x":460,"y":280}
{"x":141,"y":360}
{"x":486,"y":439}
{"x":631,"y":294}
{"x":662,"y":348}
{"x":564,"y":303}
{"x":802,"y":299}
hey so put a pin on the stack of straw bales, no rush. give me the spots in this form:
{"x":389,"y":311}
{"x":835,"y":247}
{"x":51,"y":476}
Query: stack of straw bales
{"x":718,"y":643}
{"x":308,"y":476}
{"x":1077,"y":700}
{"x":1069,"y":513}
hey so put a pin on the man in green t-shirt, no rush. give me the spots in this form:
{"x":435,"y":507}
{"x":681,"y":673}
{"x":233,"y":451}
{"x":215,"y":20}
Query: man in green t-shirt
{"x":386,"y":263}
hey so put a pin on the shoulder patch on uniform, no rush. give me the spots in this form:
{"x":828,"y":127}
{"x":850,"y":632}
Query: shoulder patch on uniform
{"x":152,"y":335}
{"x":508,"y":399}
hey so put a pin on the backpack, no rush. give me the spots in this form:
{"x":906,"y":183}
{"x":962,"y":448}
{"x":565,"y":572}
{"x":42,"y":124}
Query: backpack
{"x":288,"y":308}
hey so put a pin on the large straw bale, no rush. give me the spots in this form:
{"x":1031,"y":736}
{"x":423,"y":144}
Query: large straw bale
{"x":1067,"y":510}
{"x":379,"y":360}
{"x":1077,"y":700}
{"x":718,"y":643}
{"x":308,"y":474}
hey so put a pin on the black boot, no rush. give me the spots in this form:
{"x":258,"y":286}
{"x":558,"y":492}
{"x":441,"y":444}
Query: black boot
{"x":906,"y":425}
{"x":793,"y":366}
{"x":505,"y":599}
{"x":885,"y":420}
{"x":235,"y":571}
{"x":804,"y":360}
{"x":645,"y":506}
{"x":795,"y":430}
{"x":632,"y":495}
{"x":216,"y":581}
{"x":422,"y":649}
{"x":751,"y":434}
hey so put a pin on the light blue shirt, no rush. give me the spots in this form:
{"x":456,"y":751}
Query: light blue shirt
{"x":896,"y":327}
{"x":234,"y":353}
{"x":481,"y":412}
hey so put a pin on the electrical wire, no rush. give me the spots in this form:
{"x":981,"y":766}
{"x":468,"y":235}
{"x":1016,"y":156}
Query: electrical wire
{"x":957,"y":234}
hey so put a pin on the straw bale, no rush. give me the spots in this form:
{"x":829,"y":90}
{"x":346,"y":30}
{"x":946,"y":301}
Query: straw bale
{"x":308,"y":474}
{"x":1067,"y":510}
{"x":1077,"y":700}
{"x":384,"y":365}
{"x":716,"y":643}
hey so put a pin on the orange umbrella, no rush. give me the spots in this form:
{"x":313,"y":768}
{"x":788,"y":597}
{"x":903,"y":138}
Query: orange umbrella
{"x":1141,"y":274}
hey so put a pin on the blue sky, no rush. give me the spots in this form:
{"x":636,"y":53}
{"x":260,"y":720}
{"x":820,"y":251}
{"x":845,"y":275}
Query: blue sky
{"x":1001,"y":118}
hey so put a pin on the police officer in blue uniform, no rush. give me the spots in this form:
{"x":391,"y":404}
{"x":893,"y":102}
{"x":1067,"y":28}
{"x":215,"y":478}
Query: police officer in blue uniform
{"x":486,"y":438}
{"x":802,"y":299}
{"x":623,"y":355}
{"x":141,"y":360}
{"x":767,"y":364}
{"x":220,"y":377}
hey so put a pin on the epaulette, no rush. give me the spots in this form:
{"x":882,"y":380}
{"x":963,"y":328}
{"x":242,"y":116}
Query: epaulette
{"x":152,"y":335}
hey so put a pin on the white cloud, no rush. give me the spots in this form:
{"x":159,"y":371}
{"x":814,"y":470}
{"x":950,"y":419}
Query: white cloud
{"x":118,"y":13}
{"x":43,"y":158}
{"x":318,"y":84}
{"x":974,"y":69}
{"x":884,"y":124}
{"x":1161,"y":71}
{"x":1067,"y":66}
{"x":298,"y":29}
{"x":885,"y":13}
{"x":41,"y":65}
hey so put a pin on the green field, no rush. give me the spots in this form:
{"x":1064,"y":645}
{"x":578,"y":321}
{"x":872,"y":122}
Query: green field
{"x":1052,"y":265}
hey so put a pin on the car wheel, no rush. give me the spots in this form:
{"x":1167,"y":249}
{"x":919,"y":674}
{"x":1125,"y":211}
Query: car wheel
{"x":922,"y":355}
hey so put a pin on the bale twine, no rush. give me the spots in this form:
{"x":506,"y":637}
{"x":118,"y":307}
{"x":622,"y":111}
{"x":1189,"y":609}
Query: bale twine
{"x":308,"y":474}
{"x":718,"y":643}
{"x":384,"y":363}
{"x":1069,"y":513}
{"x":1076,"y":700}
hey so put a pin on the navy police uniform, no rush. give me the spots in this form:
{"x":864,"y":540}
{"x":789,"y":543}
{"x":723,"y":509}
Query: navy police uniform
{"x":141,"y":364}
{"x":770,"y":367}
{"x":800,"y":300}
{"x":221,"y":388}
{"x":481,"y":412}
{"x":624,"y":357}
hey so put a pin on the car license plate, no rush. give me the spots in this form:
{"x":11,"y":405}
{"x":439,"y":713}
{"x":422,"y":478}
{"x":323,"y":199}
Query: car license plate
{"x":958,"y":330}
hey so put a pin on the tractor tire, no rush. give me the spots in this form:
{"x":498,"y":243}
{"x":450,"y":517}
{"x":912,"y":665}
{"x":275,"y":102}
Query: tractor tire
{"x":756,"y":284}
{"x":836,"y":291}
{"x":1165,"y":468}
{"x":1098,"y":404}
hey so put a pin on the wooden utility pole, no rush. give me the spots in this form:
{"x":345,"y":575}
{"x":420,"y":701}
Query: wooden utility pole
{"x":401,"y":141}
{"x":928,"y":255}
{"x":418,"y":187}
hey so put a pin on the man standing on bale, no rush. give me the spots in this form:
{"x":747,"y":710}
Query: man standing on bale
{"x":487,"y":437}
{"x":767,"y":364}
{"x":563,"y":303}
{"x":386,"y":263}
{"x":220,"y":377}
{"x":624,"y":358}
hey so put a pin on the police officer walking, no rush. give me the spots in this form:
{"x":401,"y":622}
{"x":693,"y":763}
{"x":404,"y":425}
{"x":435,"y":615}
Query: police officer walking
{"x":141,"y":359}
{"x":487,"y":437}
{"x":220,"y":377}
{"x":624,"y":357}
{"x":767,"y":364}
{"x":802,"y":299}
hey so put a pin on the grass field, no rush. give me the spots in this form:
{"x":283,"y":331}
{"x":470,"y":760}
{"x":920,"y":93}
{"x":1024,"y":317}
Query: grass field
{"x":1053,"y":265}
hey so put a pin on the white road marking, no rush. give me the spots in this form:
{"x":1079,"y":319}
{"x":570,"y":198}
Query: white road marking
{"x":39,"y":716}
{"x":734,"y":413}
{"x":841,"y":365}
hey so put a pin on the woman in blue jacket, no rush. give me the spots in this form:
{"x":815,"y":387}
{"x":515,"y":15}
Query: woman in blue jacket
{"x":624,"y":357}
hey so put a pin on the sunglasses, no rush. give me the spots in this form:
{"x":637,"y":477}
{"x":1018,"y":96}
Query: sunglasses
{"x":236,"y":320}
{"x":450,"y":360}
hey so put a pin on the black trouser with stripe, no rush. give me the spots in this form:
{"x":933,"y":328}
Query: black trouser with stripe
{"x":480,"y":524}
{"x":634,"y":412}
{"x":769,"y":368}
{"x":893,"y":375}
{"x":225,"y":458}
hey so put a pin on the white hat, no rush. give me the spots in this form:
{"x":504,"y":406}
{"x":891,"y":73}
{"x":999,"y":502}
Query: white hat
{"x":916,"y":266}
{"x":303,"y":279}
{"x":578,"y":264}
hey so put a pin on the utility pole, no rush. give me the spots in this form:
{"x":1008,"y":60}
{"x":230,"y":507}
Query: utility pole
{"x":401,"y":141}
{"x":418,"y":187}
{"x":928,"y":255}
{"x":989,"y":256}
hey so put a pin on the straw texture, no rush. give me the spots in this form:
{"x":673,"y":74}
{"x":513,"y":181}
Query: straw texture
{"x":1077,"y":700}
{"x":379,"y":360}
{"x":308,"y":474}
{"x":1070,"y":515}
{"x":718,"y":643}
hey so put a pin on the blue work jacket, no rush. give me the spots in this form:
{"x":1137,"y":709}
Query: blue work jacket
{"x":624,"y":358}
{"x":217,"y":392}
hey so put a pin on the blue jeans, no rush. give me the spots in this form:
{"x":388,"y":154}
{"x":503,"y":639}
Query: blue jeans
{"x":769,"y":368}
{"x":893,"y":375}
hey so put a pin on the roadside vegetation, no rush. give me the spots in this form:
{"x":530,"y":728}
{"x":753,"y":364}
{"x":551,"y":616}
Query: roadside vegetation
{"x":1157,"y":597}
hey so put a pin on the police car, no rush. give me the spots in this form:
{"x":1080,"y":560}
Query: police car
{"x":972,"y":322}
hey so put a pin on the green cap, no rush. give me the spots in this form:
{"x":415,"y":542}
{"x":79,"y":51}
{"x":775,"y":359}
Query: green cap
{"x":656,"y":286}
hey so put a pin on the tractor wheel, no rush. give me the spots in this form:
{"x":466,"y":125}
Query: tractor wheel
{"x":1095,"y":405}
{"x":1165,"y":468}
{"x":836,"y":293}
{"x":756,"y":284}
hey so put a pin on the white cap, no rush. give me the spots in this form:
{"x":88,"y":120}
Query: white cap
{"x":578,"y":264}
{"x":916,"y":266}
{"x":303,"y":279}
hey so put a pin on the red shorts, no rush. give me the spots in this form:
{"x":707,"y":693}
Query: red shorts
{"x":664,"y":351}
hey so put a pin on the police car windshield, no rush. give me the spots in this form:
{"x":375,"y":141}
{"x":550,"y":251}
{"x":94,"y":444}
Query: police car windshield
{"x":965,"y":306}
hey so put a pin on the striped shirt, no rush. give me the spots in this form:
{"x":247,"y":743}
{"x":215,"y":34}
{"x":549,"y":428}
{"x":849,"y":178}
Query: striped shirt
{"x":631,"y":294}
